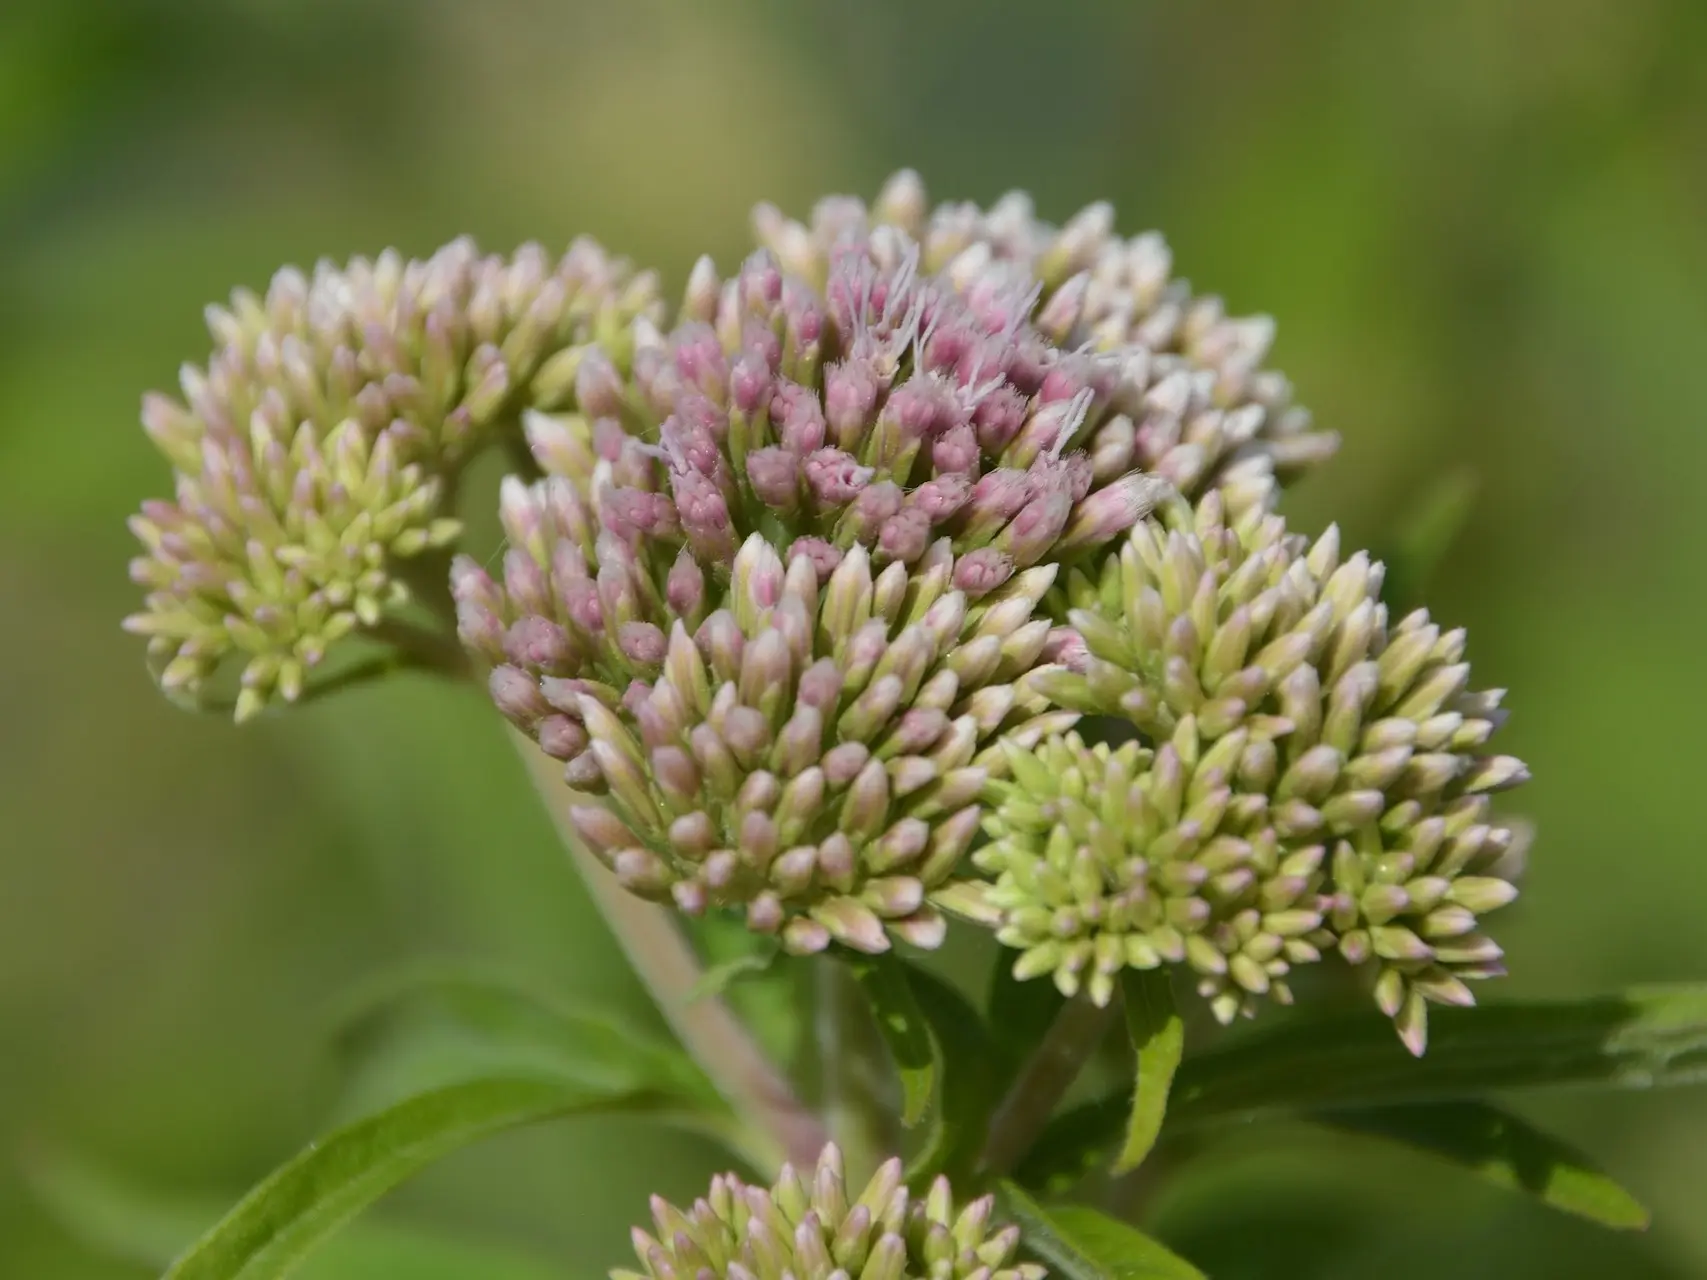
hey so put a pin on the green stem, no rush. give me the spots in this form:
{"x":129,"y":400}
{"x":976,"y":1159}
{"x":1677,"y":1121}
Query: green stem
{"x":856,"y":1091}
{"x":1043,"y":1081}
{"x":779,"y":1126}
{"x":423,"y":648}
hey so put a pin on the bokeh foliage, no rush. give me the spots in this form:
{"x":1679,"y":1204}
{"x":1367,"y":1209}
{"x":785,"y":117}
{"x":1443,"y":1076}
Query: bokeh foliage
{"x":1480,"y":223}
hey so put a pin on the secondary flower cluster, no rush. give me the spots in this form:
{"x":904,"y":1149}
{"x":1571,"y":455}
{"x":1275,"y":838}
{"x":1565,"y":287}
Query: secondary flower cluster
{"x":1208,"y":413}
{"x":1320,"y":780}
{"x":317,"y":450}
{"x":811,"y":754}
{"x":807,"y":1226}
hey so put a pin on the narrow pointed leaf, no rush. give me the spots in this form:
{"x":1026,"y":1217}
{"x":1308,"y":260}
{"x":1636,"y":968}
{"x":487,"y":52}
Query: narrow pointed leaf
{"x":770,"y":998}
{"x":430,"y":1024}
{"x":720,"y":977}
{"x":1503,"y":1149}
{"x":1158,"y":1039}
{"x":969,"y":1082}
{"x":1644,"y":1038}
{"x":116,"y":1219}
{"x":883,"y":978}
{"x":1020,"y":1012}
{"x":1081,"y":1244}
{"x":1649,"y":1037}
{"x":283,"y":1219}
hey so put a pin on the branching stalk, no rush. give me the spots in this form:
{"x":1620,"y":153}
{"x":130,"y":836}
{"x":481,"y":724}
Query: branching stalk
{"x":779,"y":1125}
{"x":1044,"y":1080}
{"x":853,"y":1078}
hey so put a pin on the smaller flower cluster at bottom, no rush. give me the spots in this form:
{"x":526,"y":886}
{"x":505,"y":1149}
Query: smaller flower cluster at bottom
{"x":808,"y":1227}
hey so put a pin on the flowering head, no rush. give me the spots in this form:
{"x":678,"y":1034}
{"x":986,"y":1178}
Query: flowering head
{"x":806,"y":746}
{"x":316,"y":453}
{"x":889,"y":409}
{"x":1319,"y":779}
{"x":1196,"y":405}
{"x":810,"y":1227}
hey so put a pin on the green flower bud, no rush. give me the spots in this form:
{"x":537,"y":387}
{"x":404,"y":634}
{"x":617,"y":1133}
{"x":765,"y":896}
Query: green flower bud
{"x":1193,"y":405}
{"x":808,"y":1227}
{"x":314,"y":454}
{"x":1103,"y":859}
{"x":1290,"y":716}
{"x":810,"y":754}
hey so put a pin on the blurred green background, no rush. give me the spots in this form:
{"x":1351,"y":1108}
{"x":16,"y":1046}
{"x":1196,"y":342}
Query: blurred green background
{"x":1481,"y":223}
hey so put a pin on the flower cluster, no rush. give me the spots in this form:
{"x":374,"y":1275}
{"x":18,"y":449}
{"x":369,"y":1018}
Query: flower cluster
{"x":809,"y":1228}
{"x":811,"y":584}
{"x":318,"y":449}
{"x":811,"y":754}
{"x":1322,"y":781}
{"x":890,"y":410}
{"x":1200,"y":409}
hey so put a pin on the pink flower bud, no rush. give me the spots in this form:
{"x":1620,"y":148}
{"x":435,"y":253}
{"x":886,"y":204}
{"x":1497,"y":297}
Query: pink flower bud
{"x":1066,"y":647}
{"x":905,"y":535}
{"x":835,"y":477}
{"x":516,"y":694}
{"x":850,"y":398}
{"x":937,"y":500}
{"x":598,"y":386}
{"x":775,"y":476}
{"x":956,"y":452}
{"x":642,"y":643}
{"x":999,"y":418}
{"x":750,"y":384}
{"x":759,"y":285}
{"x":704,"y":516}
{"x":700,"y":360}
{"x":824,"y":556}
{"x":634,"y":514}
{"x":561,"y":738}
{"x":798,"y":416}
{"x":582,"y":605}
{"x":684,"y":589}
{"x":980,"y":572}
{"x":538,"y":644}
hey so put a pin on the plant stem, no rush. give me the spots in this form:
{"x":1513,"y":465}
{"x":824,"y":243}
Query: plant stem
{"x":1043,"y":1081}
{"x":780,"y":1126}
{"x":422,"y":648}
{"x":853,"y":1083}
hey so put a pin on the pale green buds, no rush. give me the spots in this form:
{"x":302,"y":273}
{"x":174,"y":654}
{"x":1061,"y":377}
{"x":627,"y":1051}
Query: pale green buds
{"x":1192,"y":402}
{"x":808,"y":1226}
{"x":1315,"y":765}
{"x":812,"y":755}
{"x":1107,"y":859}
{"x":317,"y":451}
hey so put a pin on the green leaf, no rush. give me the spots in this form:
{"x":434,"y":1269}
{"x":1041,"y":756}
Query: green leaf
{"x":769,"y":997}
{"x":126,"y":1223}
{"x":970,"y":1081}
{"x":883,"y":978}
{"x":278,"y":1223}
{"x":1503,"y":1149}
{"x":1647,"y":1037}
{"x":720,"y":977}
{"x":435,"y":1022}
{"x":1158,"y":1038}
{"x":1021,"y":1013}
{"x":1082,"y":1244}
